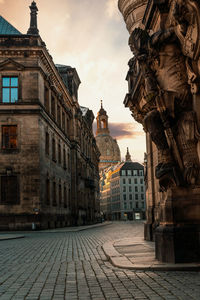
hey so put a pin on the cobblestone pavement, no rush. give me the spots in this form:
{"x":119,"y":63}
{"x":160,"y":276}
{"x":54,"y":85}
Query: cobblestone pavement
{"x":73,"y":266}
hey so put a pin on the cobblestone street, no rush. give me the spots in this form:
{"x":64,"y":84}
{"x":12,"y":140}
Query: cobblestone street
{"x":72,"y":265}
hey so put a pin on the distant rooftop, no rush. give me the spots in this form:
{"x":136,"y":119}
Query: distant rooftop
{"x":129,"y":165}
{"x":63,"y":67}
{"x":7,"y":28}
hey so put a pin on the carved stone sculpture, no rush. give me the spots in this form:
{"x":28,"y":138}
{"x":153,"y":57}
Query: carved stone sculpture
{"x":168,"y":98}
{"x":164,"y":96}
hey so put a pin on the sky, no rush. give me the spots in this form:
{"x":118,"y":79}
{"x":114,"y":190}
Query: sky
{"x":91,"y":36}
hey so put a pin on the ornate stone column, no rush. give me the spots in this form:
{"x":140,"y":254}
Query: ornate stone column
{"x":164,"y":80}
{"x":133,"y":12}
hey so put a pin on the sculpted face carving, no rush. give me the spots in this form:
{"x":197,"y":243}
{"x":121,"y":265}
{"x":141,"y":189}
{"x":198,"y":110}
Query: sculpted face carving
{"x":168,"y":62}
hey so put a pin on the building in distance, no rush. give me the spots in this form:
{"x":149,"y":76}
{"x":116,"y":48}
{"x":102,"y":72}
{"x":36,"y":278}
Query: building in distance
{"x":122,"y":191}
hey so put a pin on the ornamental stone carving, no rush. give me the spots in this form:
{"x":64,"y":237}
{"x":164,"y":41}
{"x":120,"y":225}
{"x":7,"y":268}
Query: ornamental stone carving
{"x":169,"y":63}
{"x":164,"y":96}
{"x":133,"y":12}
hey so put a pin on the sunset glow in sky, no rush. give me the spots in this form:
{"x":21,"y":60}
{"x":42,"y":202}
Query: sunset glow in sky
{"x":91,"y":36}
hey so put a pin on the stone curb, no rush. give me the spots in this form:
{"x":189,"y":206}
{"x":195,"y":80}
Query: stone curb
{"x":74,"y":229}
{"x":10,"y":237}
{"x":121,"y":261}
{"x":63,"y":230}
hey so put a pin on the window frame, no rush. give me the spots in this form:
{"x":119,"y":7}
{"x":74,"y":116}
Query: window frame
{"x":10,"y":88}
{"x":47,"y":143}
{"x":3,"y":137}
{"x":123,"y":172}
{"x":17,"y":197}
{"x":53,"y":149}
{"x":47,"y":98}
{"x":129,"y":172}
{"x":47,"y":191}
{"x":59,"y":154}
{"x":54,"y":194}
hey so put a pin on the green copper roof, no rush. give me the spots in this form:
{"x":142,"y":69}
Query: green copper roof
{"x":7,"y":28}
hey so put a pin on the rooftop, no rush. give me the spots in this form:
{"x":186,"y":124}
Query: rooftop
{"x":7,"y":28}
{"x":129,"y":165}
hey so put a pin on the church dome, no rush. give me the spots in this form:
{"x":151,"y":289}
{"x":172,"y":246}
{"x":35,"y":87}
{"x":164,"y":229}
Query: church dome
{"x":108,"y":147}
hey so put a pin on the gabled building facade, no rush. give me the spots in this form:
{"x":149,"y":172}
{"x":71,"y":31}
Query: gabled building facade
{"x":48,"y":155}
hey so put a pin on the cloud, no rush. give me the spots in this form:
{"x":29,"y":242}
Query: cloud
{"x":112,"y":10}
{"x":121,"y":131}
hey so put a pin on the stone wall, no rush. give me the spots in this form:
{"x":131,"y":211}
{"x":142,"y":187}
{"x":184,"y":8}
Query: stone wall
{"x":50,"y":152}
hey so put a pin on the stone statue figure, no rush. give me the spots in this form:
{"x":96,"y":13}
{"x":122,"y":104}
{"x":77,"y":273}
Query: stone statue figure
{"x":168,"y":62}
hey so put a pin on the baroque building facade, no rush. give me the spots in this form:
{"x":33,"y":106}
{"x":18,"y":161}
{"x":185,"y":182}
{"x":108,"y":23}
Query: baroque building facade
{"x":122,"y":191}
{"x":163,"y":95}
{"x":48,"y":159}
{"x":108,"y":147}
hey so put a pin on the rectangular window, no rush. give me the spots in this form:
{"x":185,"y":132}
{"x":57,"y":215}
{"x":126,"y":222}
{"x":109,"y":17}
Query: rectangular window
{"x":130,"y":196}
{"x":63,"y":120}
{"x":123,"y":172}
{"x":136,"y":204}
{"x":53,"y":108}
{"x":142,"y":189}
{"x":9,"y":190}
{"x":131,"y":205}
{"x":142,"y":204}
{"x":58,"y":115}
{"x":47,"y":191}
{"x":9,"y":89}
{"x":9,"y":137}
{"x":135,"y":180}
{"x":142,"y":196}
{"x":64,"y":159}
{"x":141,"y":180}
{"x":136,"y":189}
{"x":125,"y":205}
{"x":59,"y":154}
{"x":53,"y":149}
{"x":124,"y":188}
{"x":130,"y":188}
{"x":129,"y":180}
{"x":65,"y":197}
{"x":136,"y":196}
{"x":141,"y":172}
{"x":47,"y":143}
{"x":54,"y":194}
{"x":60,"y":195}
{"x":124,"y":181}
{"x":129,"y":172}
{"x":46,"y":98}
{"x":135,"y":172}
{"x":67,"y":127}
{"x":124,"y":197}
{"x":68,"y":161}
